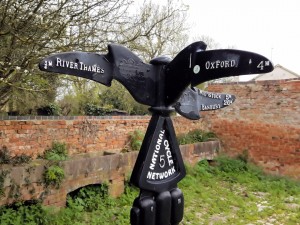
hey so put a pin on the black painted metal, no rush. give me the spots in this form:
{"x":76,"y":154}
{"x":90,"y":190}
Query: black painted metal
{"x":164,"y":85}
{"x":159,"y":166}
{"x":194,"y":100}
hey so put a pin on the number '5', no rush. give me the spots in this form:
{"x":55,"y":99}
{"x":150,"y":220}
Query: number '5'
{"x":162,"y":161}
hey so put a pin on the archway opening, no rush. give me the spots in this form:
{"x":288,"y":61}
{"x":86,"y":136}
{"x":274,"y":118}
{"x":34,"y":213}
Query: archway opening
{"x":89,"y":198}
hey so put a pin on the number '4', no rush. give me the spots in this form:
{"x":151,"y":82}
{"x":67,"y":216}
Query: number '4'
{"x":261,"y":65}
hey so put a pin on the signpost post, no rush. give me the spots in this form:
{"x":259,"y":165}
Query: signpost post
{"x":165,"y":85}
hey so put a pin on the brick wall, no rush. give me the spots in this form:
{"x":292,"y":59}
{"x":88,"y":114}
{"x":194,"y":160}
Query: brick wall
{"x":26,"y":182}
{"x":264,"y":120}
{"x":33,"y":135}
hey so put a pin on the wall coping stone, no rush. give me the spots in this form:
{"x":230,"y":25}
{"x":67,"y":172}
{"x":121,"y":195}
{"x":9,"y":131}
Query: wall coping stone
{"x":146,"y":117}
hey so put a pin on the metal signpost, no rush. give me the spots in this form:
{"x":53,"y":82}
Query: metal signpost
{"x":165,"y":85}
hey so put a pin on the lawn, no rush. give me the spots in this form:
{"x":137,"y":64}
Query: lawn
{"x":228,"y":192}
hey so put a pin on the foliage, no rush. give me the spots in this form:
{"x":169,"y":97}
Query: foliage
{"x":215,"y":193}
{"x":52,"y":109}
{"x":57,"y":152}
{"x":136,"y":139}
{"x":195,"y":136}
{"x":118,"y":97}
{"x":54,"y":175}
{"x":94,"y":110}
{"x":30,"y":30}
{"x":6,"y":158}
{"x":21,"y":214}
{"x":89,"y":198}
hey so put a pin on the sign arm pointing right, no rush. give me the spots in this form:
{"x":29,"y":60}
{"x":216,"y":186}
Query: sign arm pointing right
{"x":194,"y":66}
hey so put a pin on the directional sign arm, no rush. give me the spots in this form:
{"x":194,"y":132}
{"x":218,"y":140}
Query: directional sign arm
{"x":91,"y":66}
{"x":193,"y":66}
{"x":120,"y":64}
{"x":214,"y":64}
{"x":194,"y":100}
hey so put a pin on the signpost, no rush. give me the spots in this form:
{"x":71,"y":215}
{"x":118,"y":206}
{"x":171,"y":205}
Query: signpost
{"x":165,"y":85}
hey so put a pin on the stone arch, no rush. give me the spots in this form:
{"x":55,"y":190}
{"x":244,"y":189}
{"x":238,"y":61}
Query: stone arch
{"x":101,"y":187}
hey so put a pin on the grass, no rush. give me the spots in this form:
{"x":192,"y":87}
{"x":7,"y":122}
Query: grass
{"x":234,"y":192}
{"x":228,"y":192}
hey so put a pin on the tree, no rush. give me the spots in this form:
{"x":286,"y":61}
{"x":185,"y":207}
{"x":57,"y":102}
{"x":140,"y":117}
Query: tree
{"x":159,"y":30}
{"x":154,"y":30}
{"x":30,"y":30}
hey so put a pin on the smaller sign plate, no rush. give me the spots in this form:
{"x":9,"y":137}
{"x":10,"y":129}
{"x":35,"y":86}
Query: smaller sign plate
{"x":194,"y":100}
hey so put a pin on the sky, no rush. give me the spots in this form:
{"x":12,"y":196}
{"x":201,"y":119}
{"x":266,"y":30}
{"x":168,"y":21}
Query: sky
{"x":267,"y":27}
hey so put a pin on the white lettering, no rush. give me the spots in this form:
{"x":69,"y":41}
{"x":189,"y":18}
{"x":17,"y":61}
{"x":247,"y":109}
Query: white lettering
{"x":210,"y":107}
{"x":168,"y":153}
{"x":160,"y":176}
{"x":75,"y":66}
{"x":58,"y":62}
{"x":156,"y":150}
{"x":220,"y":64}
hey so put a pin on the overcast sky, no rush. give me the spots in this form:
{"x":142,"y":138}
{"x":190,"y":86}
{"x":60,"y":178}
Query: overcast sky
{"x":267,"y":27}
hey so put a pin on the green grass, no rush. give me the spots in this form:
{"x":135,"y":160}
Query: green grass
{"x":234,"y":192}
{"x":229,"y":192}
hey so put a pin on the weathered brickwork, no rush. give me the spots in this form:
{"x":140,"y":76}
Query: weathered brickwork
{"x":25,"y":182}
{"x":264,"y":120}
{"x":82,"y":134}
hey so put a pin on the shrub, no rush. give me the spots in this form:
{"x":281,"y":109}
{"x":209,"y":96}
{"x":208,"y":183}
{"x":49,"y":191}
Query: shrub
{"x":136,"y":139}
{"x":50,"y":110}
{"x":94,"y":110}
{"x":57,"y":152}
{"x":89,"y":198}
{"x":54,"y":175}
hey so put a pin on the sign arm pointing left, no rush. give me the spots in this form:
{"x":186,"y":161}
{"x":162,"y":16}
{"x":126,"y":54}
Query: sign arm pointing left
{"x":120,"y":64}
{"x":91,"y":66}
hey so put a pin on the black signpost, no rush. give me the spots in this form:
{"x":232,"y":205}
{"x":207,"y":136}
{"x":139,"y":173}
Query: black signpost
{"x":165,"y":85}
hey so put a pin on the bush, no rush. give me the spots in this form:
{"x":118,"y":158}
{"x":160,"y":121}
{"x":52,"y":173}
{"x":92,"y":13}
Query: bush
{"x":20,"y":213}
{"x":94,"y":110}
{"x":57,"y":152}
{"x":136,"y":139}
{"x":54,"y":175}
{"x":50,"y":110}
{"x":89,"y":198}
